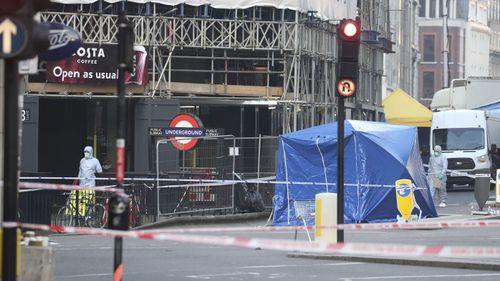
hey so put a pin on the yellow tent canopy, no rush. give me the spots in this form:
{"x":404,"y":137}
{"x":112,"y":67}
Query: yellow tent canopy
{"x":401,"y":108}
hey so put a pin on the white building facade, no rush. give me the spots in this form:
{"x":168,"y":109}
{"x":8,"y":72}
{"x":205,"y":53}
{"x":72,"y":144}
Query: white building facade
{"x":468,"y":48}
{"x":494,"y":24}
{"x":400,"y":68}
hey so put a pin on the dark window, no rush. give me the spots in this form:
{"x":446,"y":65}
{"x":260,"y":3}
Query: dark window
{"x":432,"y":9}
{"x":463,"y":9}
{"x":450,"y":45}
{"x":428,"y":84}
{"x":429,"y":48}
{"x":421,"y":12}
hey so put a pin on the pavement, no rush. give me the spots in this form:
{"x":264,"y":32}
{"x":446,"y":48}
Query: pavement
{"x":460,"y":210}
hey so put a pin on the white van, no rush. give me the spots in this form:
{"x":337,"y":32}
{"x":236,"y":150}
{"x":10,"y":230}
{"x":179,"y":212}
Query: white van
{"x":464,"y":138}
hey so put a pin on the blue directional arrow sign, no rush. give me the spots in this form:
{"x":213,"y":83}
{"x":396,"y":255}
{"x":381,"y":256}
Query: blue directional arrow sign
{"x":13,"y":37}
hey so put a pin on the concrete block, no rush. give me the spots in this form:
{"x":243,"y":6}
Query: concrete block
{"x":37,"y":263}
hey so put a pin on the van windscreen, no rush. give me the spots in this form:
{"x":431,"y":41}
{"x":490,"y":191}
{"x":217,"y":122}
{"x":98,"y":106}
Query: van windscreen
{"x":459,"y":138}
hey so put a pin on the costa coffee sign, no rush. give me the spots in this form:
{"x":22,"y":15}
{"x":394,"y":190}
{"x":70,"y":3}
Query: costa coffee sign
{"x":97,"y":64}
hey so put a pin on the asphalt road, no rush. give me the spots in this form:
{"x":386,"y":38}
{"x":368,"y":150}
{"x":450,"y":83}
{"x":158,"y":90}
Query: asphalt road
{"x":91,"y":258}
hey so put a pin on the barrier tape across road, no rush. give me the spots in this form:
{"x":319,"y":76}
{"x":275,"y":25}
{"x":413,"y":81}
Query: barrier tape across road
{"x":365,"y":226}
{"x":52,"y":186}
{"x":284,"y":245}
{"x":221,"y":182}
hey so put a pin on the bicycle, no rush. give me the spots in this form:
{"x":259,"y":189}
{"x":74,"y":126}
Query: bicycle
{"x":92,"y":216}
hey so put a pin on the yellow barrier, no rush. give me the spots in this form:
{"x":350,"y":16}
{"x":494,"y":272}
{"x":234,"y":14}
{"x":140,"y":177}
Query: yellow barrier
{"x":404,"y":198}
{"x":18,"y":250}
{"x":326,"y":215}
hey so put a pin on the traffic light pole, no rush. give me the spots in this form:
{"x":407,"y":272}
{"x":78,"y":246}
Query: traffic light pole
{"x":120,"y":136}
{"x":11,"y":166}
{"x":348,"y":33}
{"x":340,"y":167}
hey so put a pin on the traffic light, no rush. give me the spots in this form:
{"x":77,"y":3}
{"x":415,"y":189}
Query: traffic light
{"x":10,"y":6}
{"x":118,"y":212}
{"x":349,"y":32}
{"x":21,"y":36}
{"x":126,"y":40}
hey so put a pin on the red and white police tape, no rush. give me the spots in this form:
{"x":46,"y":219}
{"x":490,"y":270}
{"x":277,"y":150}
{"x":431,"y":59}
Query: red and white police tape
{"x":216,"y":182}
{"x":53,"y":186}
{"x":364,"y":226}
{"x":284,"y":245}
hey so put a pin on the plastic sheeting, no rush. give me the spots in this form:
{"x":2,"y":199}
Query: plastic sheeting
{"x":326,"y":9}
{"x":375,"y":153}
{"x":489,"y":106}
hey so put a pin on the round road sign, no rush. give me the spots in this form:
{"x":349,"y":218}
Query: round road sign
{"x":184,"y":120}
{"x":13,"y":37}
{"x":346,"y":87}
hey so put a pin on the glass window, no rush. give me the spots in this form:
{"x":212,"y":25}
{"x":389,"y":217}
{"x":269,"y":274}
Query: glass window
{"x":428,"y":87}
{"x":429,"y":48}
{"x":459,"y":138}
{"x":432,"y":9}
{"x":462,"y":9}
{"x":421,"y":12}
{"x":450,"y":47}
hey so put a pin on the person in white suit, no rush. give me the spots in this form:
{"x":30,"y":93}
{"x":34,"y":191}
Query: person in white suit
{"x":89,"y":166}
{"x":438,"y":164}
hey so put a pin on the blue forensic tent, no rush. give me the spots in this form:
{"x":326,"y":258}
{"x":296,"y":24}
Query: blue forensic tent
{"x":489,"y":107}
{"x":376,"y":154}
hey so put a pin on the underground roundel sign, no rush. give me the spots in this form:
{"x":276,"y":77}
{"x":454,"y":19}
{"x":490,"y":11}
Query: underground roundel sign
{"x":182,"y":128}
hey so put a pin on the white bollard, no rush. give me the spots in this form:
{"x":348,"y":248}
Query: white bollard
{"x":497,"y":187}
{"x":326,"y":215}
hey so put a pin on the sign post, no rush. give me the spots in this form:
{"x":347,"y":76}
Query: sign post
{"x":20,"y":38}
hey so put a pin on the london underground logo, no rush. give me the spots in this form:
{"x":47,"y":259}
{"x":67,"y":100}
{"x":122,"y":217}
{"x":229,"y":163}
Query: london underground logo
{"x":182,"y":129}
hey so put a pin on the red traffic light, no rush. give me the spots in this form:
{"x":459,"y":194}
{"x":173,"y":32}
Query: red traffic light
{"x":11,"y":6}
{"x":349,"y":30}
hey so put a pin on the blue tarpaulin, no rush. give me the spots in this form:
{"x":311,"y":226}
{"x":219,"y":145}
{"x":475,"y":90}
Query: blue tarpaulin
{"x":492,"y":109}
{"x":489,"y":106}
{"x":376,"y":155}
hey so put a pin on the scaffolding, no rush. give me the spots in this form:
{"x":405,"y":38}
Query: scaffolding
{"x":279,"y":57}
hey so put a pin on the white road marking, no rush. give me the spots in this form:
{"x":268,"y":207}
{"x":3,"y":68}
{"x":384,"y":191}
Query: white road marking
{"x":419,"y":276}
{"x":64,"y":277}
{"x":209,"y":276}
{"x":108,"y":248}
{"x":299,"y":265}
{"x":366,"y":232}
{"x":82,"y":249}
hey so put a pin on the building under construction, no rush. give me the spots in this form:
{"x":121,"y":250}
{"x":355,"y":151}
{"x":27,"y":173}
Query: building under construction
{"x":264,"y":69}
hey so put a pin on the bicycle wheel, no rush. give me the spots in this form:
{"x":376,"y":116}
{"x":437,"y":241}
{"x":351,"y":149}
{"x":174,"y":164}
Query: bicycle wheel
{"x":97,"y":217}
{"x":64,"y":217}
